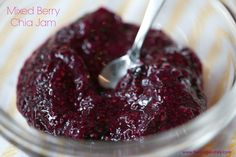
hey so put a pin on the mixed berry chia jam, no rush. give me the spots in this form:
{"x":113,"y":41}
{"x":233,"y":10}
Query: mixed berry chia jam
{"x":58,"y":91}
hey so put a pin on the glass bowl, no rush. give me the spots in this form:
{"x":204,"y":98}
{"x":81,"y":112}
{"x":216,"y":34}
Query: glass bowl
{"x":206,"y":26}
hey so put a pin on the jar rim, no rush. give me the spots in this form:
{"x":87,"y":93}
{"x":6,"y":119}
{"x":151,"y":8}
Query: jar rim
{"x":200,"y":130}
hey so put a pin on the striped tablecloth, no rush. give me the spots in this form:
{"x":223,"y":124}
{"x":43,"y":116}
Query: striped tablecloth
{"x":126,"y":8}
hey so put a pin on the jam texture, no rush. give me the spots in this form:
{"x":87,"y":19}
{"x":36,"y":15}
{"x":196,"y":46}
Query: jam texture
{"x":58,"y":91}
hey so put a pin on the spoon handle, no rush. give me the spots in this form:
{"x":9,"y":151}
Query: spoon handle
{"x":154,"y":7}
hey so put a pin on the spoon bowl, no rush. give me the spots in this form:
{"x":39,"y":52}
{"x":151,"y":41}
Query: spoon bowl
{"x":116,"y":69}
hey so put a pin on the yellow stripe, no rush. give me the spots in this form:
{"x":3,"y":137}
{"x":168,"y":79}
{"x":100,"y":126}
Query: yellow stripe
{"x":17,"y":50}
{"x":211,"y":57}
{"x":124,"y":7}
{"x":178,"y":10}
{"x":74,"y":7}
{"x":11,"y":108}
{"x":63,"y":149}
{"x":43,"y":151}
{"x":232,"y":147}
{"x":220,"y":89}
{"x":9,"y":152}
{"x":214,"y":51}
{"x":209,"y":62}
{"x":207,"y":147}
{"x":8,"y":28}
{"x":202,"y":19}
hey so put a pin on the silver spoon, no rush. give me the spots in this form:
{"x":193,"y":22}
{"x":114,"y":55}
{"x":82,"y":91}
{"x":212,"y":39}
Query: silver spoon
{"x":116,"y":69}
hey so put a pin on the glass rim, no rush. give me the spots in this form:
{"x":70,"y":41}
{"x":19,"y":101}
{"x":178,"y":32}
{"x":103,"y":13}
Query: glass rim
{"x":200,"y":130}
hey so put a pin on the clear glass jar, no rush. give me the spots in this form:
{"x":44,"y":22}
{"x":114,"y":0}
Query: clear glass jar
{"x":206,"y":26}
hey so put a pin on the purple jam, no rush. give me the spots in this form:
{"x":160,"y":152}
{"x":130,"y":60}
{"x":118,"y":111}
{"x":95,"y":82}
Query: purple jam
{"x":58,"y":90}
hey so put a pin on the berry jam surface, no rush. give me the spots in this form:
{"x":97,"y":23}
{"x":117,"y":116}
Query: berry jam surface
{"x":58,"y":90}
